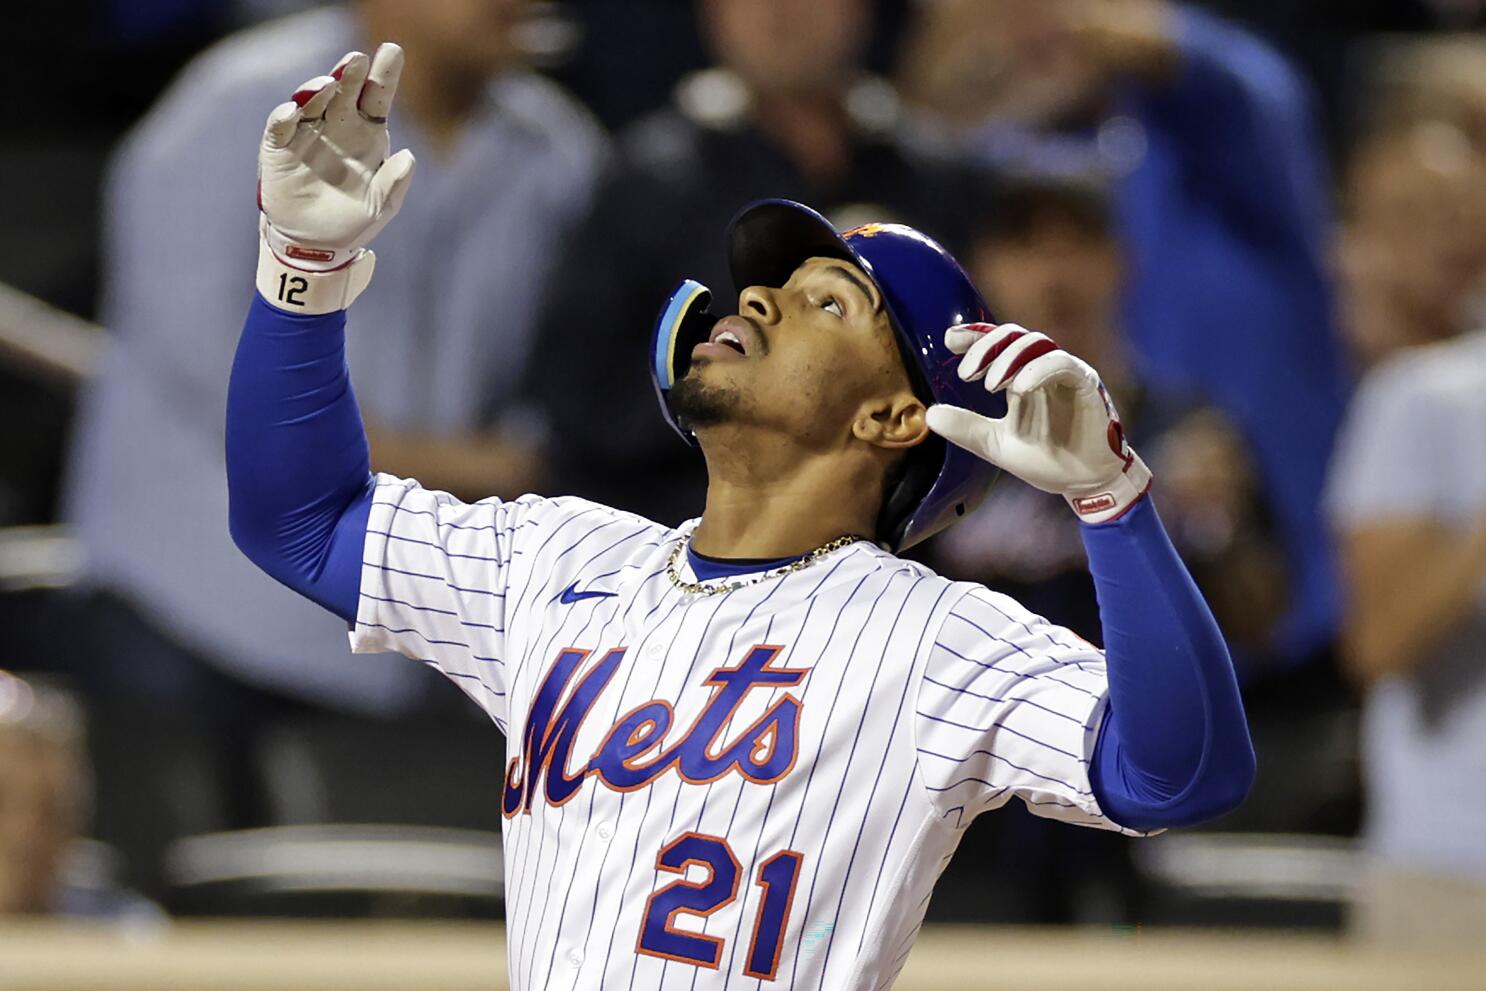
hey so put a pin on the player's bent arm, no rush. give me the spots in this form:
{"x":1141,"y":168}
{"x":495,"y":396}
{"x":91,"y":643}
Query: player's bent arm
{"x":1146,"y":735}
{"x":298,"y":466}
{"x":299,"y":479}
{"x":1174,"y":747}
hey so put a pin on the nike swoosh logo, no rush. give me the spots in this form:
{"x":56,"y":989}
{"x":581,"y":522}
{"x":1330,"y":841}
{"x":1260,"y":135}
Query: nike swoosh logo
{"x":571,"y":595}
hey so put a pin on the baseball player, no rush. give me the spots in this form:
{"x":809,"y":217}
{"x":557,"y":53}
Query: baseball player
{"x":739,"y":751}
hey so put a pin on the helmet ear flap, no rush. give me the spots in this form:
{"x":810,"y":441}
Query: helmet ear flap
{"x":906,"y":487}
{"x":684,"y":322}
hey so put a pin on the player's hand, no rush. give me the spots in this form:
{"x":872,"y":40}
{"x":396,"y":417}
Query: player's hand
{"x":1060,"y":432}
{"x":326,"y":184}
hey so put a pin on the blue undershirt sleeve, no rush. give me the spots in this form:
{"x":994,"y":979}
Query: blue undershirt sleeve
{"x":298,"y":465}
{"x":1174,"y":747}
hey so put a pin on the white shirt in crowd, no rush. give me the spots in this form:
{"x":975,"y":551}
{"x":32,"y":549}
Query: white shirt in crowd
{"x":1415,"y":447}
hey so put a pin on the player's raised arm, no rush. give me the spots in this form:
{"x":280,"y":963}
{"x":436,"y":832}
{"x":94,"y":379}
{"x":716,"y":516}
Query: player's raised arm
{"x":1173,"y":747}
{"x":298,"y":466}
{"x":415,"y":571}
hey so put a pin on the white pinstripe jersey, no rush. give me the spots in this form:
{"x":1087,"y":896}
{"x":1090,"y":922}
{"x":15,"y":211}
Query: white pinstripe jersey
{"x":753,"y":789}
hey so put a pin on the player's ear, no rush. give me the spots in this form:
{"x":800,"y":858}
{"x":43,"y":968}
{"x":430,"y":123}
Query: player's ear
{"x":894,"y":421}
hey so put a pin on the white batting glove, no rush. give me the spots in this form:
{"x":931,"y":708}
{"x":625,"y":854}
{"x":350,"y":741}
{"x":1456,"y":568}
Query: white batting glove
{"x":326,"y":185}
{"x":1060,"y":433}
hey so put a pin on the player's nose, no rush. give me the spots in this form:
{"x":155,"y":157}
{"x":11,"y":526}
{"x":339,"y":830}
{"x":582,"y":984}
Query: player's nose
{"x":759,"y":303}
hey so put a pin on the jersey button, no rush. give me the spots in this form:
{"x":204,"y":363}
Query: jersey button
{"x":605,"y":831}
{"x":656,"y":650}
{"x":575,"y":958}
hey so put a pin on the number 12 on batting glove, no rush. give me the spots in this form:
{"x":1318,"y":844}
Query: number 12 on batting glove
{"x":326,"y":184}
{"x":1060,"y":433}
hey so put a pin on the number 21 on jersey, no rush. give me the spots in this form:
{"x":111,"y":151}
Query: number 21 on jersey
{"x":777,"y":876}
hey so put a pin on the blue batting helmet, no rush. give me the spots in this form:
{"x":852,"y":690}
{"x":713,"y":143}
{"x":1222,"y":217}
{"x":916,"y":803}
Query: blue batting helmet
{"x":924,"y":291}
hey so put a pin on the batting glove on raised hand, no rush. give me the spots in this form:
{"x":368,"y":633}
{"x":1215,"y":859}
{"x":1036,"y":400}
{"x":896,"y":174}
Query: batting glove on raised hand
{"x":1060,"y":433}
{"x":326,"y":185}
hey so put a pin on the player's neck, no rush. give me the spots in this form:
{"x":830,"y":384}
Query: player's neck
{"x":781,"y":506}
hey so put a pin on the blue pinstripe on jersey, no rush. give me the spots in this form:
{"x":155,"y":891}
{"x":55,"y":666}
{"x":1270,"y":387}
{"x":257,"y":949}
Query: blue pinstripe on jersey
{"x":836,"y":804}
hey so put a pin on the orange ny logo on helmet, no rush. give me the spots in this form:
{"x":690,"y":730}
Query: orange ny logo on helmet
{"x":865,"y":230}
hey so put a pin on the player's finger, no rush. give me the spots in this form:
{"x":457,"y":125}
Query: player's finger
{"x":314,"y":96}
{"x":1054,"y":367}
{"x":390,"y":185}
{"x":996,"y":353}
{"x":1034,"y":416}
{"x":339,"y":72}
{"x":350,"y":73}
{"x":987,"y":346}
{"x":1015,"y":355}
{"x":985,"y":349}
{"x":1018,"y":415}
{"x":962,"y":336}
{"x":375,"y":102}
{"x":980,"y":435}
{"x":282,"y":122}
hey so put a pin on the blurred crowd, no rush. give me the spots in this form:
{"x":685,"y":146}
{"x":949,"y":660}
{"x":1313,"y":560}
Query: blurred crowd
{"x":1264,"y":223}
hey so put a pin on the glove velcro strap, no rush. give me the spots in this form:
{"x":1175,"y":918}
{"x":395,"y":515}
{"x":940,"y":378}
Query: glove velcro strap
{"x":1113,"y":500}
{"x":295,"y":290}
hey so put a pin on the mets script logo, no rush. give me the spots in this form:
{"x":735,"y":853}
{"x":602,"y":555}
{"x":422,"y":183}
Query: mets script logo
{"x":634,"y":752}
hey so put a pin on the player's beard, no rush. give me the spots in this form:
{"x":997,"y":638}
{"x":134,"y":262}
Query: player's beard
{"x":697,"y":404}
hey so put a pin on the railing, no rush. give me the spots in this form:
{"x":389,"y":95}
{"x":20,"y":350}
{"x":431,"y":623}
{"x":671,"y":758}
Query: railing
{"x":50,"y":343}
{"x":1254,"y":866}
{"x":65,"y":350}
{"x":342,"y":857}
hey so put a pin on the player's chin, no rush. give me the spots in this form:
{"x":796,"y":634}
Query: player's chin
{"x":703,"y":400}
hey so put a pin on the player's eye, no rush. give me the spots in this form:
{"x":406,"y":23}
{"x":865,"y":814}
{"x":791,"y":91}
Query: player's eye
{"x":831,"y":305}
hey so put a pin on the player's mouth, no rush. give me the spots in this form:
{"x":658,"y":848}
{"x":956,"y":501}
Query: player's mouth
{"x":731,"y":338}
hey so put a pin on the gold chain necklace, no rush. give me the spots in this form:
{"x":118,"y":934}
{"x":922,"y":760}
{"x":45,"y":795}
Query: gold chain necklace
{"x":699,"y":588}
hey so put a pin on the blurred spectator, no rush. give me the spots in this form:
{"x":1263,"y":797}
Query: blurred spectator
{"x":604,"y":70}
{"x":1219,"y":199}
{"x":45,"y":792}
{"x":506,"y":163}
{"x":1413,"y":248}
{"x":1407,"y":496}
{"x":1408,"y":499}
{"x":787,"y":112}
{"x":601,"y":65}
{"x":1431,"y":77}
